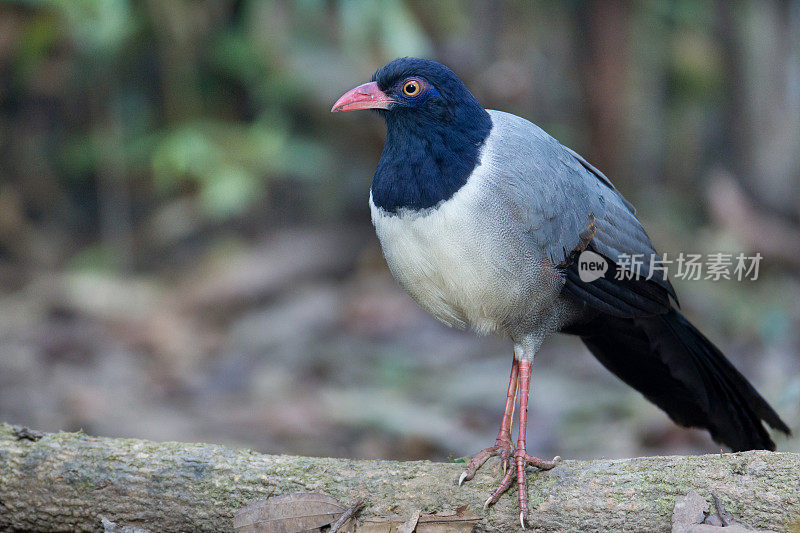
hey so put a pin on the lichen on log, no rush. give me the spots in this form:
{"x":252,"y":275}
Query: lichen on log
{"x":66,"y":481}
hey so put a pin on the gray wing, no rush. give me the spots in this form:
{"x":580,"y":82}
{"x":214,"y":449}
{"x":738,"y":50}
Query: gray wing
{"x":568,"y":206}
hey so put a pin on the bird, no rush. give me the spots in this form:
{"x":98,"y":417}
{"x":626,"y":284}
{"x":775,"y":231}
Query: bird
{"x":484,"y":220}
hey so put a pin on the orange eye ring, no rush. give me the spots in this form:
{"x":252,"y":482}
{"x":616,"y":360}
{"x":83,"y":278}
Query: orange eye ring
{"x":412,"y":88}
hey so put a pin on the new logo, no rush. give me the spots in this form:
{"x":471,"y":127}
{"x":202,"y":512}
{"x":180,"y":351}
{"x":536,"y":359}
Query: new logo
{"x":591,"y":266}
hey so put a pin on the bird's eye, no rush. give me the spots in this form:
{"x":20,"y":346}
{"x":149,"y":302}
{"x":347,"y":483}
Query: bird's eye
{"x":411,"y":88}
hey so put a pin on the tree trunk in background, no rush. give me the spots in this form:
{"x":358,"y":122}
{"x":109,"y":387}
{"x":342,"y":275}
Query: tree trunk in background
{"x":733,"y":148}
{"x":603,"y":42}
{"x":762,"y":59}
{"x":66,"y":481}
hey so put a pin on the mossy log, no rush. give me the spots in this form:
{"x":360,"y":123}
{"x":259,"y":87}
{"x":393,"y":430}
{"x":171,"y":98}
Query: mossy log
{"x":66,"y":481}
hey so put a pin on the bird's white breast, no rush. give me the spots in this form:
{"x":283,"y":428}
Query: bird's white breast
{"x":437,"y":258}
{"x":459,"y":262}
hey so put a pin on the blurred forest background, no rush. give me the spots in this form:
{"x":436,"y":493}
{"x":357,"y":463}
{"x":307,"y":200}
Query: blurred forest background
{"x":186,"y":250}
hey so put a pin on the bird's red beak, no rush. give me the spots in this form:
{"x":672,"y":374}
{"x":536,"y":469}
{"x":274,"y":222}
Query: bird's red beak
{"x":365,"y":96}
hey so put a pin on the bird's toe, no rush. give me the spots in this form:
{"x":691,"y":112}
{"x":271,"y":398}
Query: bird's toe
{"x":542,"y":464}
{"x":503,"y":448}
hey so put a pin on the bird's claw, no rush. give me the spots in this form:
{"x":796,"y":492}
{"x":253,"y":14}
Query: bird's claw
{"x":541,"y":464}
{"x":505,"y":483}
{"x":511,"y":476}
{"x":487,"y":503}
{"x":502,"y":447}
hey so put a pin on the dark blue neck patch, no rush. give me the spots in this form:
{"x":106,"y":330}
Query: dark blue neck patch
{"x":431,"y":147}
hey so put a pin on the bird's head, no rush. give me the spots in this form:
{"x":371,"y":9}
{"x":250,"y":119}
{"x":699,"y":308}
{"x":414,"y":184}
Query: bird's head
{"x":435,"y":130}
{"x":413,"y":90}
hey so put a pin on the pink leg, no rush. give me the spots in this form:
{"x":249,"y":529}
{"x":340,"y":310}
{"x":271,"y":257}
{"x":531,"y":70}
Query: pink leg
{"x":521,"y":457}
{"x":503,"y":446}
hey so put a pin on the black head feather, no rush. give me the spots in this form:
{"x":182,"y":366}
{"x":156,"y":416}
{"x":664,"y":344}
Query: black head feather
{"x":433,"y":139}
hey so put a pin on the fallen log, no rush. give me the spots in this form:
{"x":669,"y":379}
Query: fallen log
{"x":67,"y":481}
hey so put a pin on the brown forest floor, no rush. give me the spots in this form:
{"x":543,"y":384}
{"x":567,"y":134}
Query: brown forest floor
{"x":304,"y":344}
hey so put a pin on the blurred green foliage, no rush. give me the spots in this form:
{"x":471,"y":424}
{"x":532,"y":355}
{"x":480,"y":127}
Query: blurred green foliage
{"x":133,"y":126}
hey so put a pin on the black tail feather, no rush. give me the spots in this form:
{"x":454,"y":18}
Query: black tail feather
{"x":677,"y":368}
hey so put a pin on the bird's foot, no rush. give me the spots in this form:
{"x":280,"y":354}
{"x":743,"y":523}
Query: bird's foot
{"x":503,"y":447}
{"x":521,"y":460}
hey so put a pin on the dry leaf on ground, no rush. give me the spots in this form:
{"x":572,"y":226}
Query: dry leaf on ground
{"x":288,"y":513}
